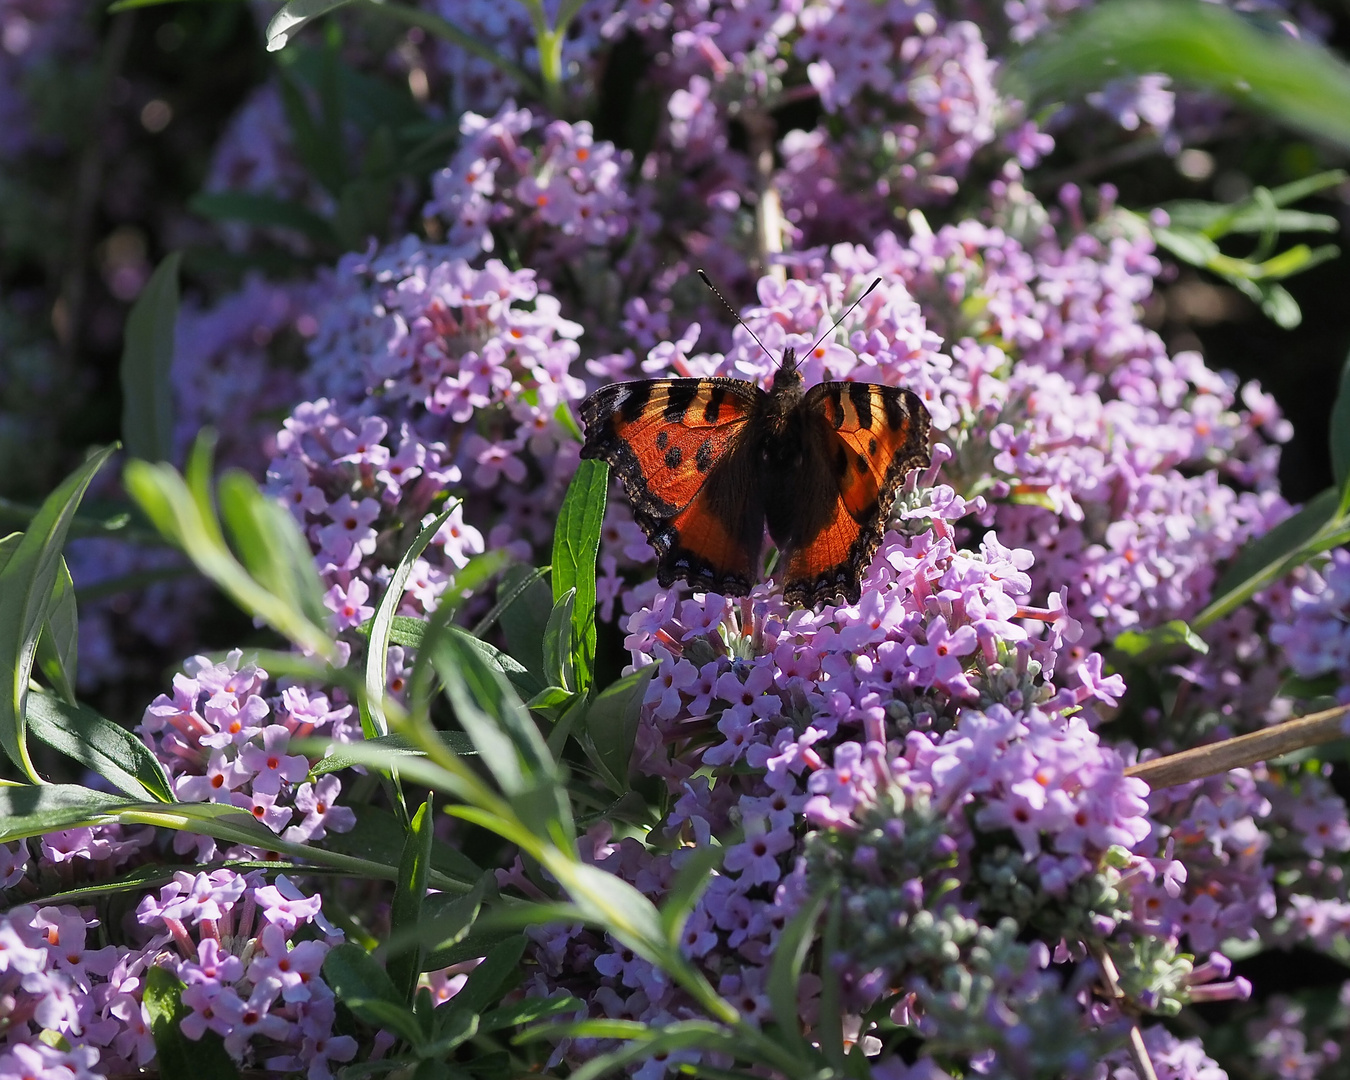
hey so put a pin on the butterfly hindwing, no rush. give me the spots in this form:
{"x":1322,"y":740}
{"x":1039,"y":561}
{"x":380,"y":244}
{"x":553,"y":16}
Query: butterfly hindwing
{"x":680,"y":450}
{"x":861,"y":439}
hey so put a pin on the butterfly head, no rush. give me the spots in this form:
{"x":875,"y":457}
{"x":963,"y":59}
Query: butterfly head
{"x":787,"y":380}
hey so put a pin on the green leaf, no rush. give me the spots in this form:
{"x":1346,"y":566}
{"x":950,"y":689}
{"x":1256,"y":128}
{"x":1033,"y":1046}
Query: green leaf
{"x":354,"y":973}
{"x":396,"y":1019}
{"x":271,"y":546}
{"x":504,"y":733}
{"x":486,"y":983}
{"x":1340,"y":438}
{"x":785,"y":974}
{"x":264,"y":211}
{"x":691,"y":880}
{"x":1159,"y":641}
{"x":181,"y":509}
{"x":646,"y":1042}
{"x":293,"y":15}
{"x":377,"y":834}
{"x":523,"y":609}
{"x":363,"y":986}
{"x":558,"y":646}
{"x":147,"y":360}
{"x":576,"y":544}
{"x":27,"y":584}
{"x":336,"y":758}
{"x":58,"y":642}
{"x":451,"y":1032}
{"x":531,"y":1010}
{"x":1192,"y":247}
{"x":1298,"y":83}
{"x":611,"y":724}
{"x":176,"y":1056}
{"x":100,"y":745}
{"x":33,"y":809}
{"x":373,"y":720}
{"x":409,"y":892}
{"x":446,"y":920}
{"x":1263,"y":560}
{"x":1220,"y":219}
{"x":58,"y":647}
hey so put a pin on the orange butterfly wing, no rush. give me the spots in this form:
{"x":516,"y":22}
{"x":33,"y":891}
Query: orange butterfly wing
{"x":861,"y":440}
{"x":680,"y":450}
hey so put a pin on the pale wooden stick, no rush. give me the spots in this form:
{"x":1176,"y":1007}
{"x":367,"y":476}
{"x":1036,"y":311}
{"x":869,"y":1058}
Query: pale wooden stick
{"x":1143,"y":1064}
{"x":1219,"y":757}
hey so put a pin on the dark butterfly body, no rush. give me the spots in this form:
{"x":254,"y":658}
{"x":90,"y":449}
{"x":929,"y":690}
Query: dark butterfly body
{"x":708,"y":464}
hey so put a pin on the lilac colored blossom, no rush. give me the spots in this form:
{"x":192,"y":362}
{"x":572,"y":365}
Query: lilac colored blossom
{"x":222,"y":741}
{"x":413,"y":345}
{"x":1314,"y":638}
{"x":553,"y":181}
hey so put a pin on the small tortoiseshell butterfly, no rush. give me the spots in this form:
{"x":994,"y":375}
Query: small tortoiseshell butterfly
{"x":708,"y":463}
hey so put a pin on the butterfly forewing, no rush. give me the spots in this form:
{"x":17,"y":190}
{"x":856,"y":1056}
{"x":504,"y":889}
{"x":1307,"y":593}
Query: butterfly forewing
{"x":680,"y":449}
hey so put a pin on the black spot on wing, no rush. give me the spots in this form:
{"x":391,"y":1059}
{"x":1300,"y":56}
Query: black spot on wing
{"x":673,"y":456}
{"x":704,"y":457}
{"x":860,"y":463}
{"x":872,"y":446}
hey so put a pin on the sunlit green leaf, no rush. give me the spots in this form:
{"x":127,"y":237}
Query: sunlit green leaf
{"x":147,"y":359}
{"x":27,"y":582}
{"x":576,"y":544}
{"x":100,"y":745}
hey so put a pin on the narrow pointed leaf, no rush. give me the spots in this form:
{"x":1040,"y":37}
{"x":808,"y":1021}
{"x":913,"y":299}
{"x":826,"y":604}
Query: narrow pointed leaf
{"x":409,"y":892}
{"x":373,"y":721}
{"x":147,"y":360}
{"x":523,"y":611}
{"x":576,"y":544}
{"x":785,"y":973}
{"x":287,"y":22}
{"x":100,"y":745}
{"x":484,"y":985}
{"x":32,"y":809}
{"x":611,"y":724}
{"x":58,"y":646}
{"x":271,"y":546}
{"x":1262,"y":560}
{"x":558,"y":644}
{"x":27,"y":583}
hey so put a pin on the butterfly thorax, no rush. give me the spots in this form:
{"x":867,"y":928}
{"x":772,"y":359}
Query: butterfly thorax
{"x":785,"y":392}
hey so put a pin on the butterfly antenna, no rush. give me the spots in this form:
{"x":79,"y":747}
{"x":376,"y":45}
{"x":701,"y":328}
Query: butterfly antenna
{"x":842,"y":317}
{"x":735,"y":315}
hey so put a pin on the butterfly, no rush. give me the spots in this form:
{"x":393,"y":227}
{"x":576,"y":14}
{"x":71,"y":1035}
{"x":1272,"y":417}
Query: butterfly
{"x":708,"y":464}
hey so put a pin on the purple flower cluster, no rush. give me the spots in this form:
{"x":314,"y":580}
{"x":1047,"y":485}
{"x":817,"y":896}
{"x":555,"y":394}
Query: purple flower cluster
{"x":557,"y":190}
{"x":234,"y":942}
{"x":918,"y":737}
{"x":433,"y":375}
{"x":221,"y":741}
{"x":1314,"y":635}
